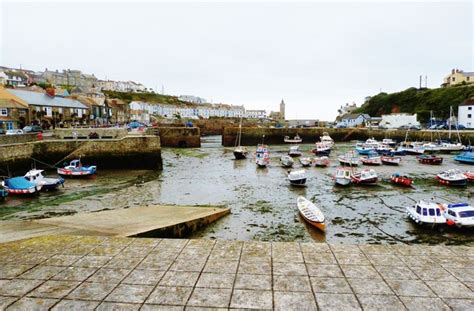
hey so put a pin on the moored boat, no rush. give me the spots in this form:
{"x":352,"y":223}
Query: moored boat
{"x":326,"y":139}
{"x":388,"y":141}
{"x":322,"y":149}
{"x":427,"y":213}
{"x":240,"y":152}
{"x":402,"y":180}
{"x":342,"y":177}
{"x":76,"y":169}
{"x":262,"y":156}
{"x":295,"y":140}
{"x":294,"y":151}
{"x":321,"y":161}
{"x":286,"y":161}
{"x":21,"y":186}
{"x":429,"y":159}
{"x":460,"y":215}
{"x":390,"y":160}
{"x":47,"y":183}
{"x":452,"y":177}
{"x":469,"y":175}
{"x":311,"y":213}
{"x":305,"y":161}
{"x":465,"y":157}
{"x":349,"y":159}
{"x":371,"y":159}
{"x":297,"y":178}
{"x":365,"y":177}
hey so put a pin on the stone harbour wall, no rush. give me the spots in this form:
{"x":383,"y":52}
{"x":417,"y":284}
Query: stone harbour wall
{"x":182,"y":137}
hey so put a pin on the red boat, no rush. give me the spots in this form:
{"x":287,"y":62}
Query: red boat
{"x":469,"y":176}
{"x":401,"y":180}
{"x":429,"y":159}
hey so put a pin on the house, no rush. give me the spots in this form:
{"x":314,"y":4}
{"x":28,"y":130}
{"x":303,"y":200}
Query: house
{"x":396,"y":120}
{"x":347,"y":108}
{"x":99,"y":112}
{"x":16,"y":78}
{"x":51,"y":111}
{"x":119,"y":110}
{"x":466,"y":113}
{"x":192,"y":99}
{"x":3,"y":78}
{"x":255,"y":114}
{"x":354,"y":120}
{"x":458,"y":77}
{"x":13,"y":111}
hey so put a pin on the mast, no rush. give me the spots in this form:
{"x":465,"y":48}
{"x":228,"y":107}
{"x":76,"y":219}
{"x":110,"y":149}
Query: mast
{"x":450,"y":120}
{"x":240,"y":131}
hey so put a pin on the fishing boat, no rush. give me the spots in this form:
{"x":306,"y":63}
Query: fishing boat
{"x":365,"y":177}
{"x":305,"y":161}
{"x":76,"y":169}
{"x":452,"y":177}
{"x":364,"y":150}
{"x":297,"y":178}
{"x":47,"y":183}
{"x":396,"y":152}
{"x":382,"y":149}
{"x":390,"y":160}
{"x":311,"y":213}
{"x":465,"y":157}
{"x":240,"y":152}
{"x":371,"y":159}
{"x":321,"y":161}
{"x":388,"y":141}
{"x":447,"y":147}
{"x":326,"y":139}
{"x":294,"y":151}
{"x":402,"y":180}
{"x":430,"y":213}
{"x":413,"y":149}
{"x":349,"y":159}
{"x":3,"y":191}
{"x":286,"y":161}
{"x":322,"y":149}
{"x":294,"y":140}
{"x":459,"y":215}
{"x":469,"y":175}
{"x":343,"y":176}
{"x":262,"y":156}
{"x":431,"y":147}
{"x":21,"y":186}
{"x":429,"y":159}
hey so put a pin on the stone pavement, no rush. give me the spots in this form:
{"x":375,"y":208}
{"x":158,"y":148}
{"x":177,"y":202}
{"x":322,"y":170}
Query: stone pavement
{"x":112,"y":273}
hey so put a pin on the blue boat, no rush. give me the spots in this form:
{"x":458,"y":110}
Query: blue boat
{"x":76,"y":169}
{"x":47,"y":183}
{"x":465,"y":157}
{"x":364,"y":150}
{"x":20,"y":185}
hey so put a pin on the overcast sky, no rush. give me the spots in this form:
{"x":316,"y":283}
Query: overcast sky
{"x":314,"y":55}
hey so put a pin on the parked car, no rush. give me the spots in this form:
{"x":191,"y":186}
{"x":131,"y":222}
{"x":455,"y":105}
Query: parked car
{"x":2,"y":132}
{"x":15,"y":132}
{"x":135,"y":125}
{"x":32,"y":129}
{"x":341,"y":126}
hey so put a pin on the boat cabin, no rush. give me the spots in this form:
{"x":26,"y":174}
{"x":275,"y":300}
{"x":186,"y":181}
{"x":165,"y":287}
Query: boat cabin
{"x":34,"y":175}
{"x":432,"y":210}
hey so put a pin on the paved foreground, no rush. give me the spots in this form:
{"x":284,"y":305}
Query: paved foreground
{"x":86,"y":273}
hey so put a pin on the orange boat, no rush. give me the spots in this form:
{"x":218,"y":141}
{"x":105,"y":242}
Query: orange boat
{"x":311,"y":213}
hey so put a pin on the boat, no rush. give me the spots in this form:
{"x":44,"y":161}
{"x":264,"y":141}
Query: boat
{"x":430,"y":213}
{"x":76,"y":169}
{"x":364,"y":150}
{"x":431,"y":147}
{"x":349,"y":159}
{"x":294,"y":151}
{"x":20,"y":185}
{"x":343,"y":176}
{"x":305,"y":161}
{"x":447,"y":147}
{"x":322,"y":149}
{"x":321,"y":161}
{"x":47,"y":183}
{"x":295,"y":140}
{"x":396,"y":152}
{"x":365,"y":177}
{"x":388,"y":141}
{"x":382,"y":149}
{"x":465,"y":157}
{"x":452,"y":177}
{"x":371,"y":159}
{"x":326,"y":139}
{"x":3,"y":191}
{"x":390,"y":160}
{"x":297,"y":178}
{"x":240,"y":152}
{"x":429,"y":159}
{"x":469,"y":175}
{"x":262,"y":156}
{"x":311,"y":213}
{"x":402,"y":180}
{"x":286,"y":161}
{"x":459,"y":215}
{"x":413,"y":149}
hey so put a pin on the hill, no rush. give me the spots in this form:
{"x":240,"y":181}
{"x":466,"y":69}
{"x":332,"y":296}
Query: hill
{"x":145,"y":97}
{"x":420,"y":101}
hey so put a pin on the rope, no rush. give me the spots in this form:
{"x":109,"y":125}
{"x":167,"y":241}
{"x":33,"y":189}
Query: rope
{"x":49,"y":165}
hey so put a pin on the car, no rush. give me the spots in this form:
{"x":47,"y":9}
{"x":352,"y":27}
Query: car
{"x":441,"y":127}
{"x":433,"y":127}
{"x":415,"y":127}
{"x":341,"y":126}
{"x":2,"y":132}
{"x":135,"y":125}
{"x":32,"y":129}
{"x":14,"y":132}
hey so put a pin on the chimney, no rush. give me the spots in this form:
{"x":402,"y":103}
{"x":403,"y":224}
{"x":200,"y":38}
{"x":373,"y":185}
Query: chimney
{"x":452,"y":71}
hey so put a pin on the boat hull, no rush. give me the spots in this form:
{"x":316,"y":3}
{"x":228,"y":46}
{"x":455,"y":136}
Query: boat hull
{"x":298,"y":182}
{"x":455,"y":183}
{"x":342,"y":181}
{"x":240,"y":155}
{"x":402,"y":181}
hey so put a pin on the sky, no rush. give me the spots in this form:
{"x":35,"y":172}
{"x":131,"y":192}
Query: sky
{"x":316,"y":56}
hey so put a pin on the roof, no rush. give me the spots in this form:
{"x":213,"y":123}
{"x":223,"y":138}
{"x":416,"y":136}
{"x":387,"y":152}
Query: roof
{"x":9,"y":100}
{"x":468,"y":102}
{"x":16,"y":73}
{"x":355,"y":116}
{"x":33,"y":173}
{"x":40,"y":99}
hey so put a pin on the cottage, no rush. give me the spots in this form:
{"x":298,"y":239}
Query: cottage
{"x":466,"y":113}
{"x":458,"y":77}
{"x":16,"y":78}
{"x":354,"y":120}
{"x":396,"y":120}
{"x":13,"y":111}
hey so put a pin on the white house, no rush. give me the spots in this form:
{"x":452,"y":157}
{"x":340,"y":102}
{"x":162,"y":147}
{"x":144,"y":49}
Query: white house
{"x":396,"y":120}
{"x":466,"y":113}
{"x":347,"y":108}
{"x":354,"y":120}
{"x":255,"y":114}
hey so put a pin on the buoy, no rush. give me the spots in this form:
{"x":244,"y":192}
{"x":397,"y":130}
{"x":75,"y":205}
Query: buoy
{"x":450,"y":222}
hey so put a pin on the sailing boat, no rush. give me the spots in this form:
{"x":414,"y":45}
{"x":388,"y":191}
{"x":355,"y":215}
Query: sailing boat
{"x":449,"y":146}
{"x":240,"y":152}
{"x":262,"y":155}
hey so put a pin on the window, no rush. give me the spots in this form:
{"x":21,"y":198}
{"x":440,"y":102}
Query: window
{"x":438,"y":212}
{"x":469,"y":116}
{"x":418,"y":210}
{"x":453,"y":79}
{"x":467,"y":78}
{"x":469,"y":108}
{"x":432,"y":212}
{"x":3,"y":112}
{"x":464,"y":214}
{"x":425,"y":212}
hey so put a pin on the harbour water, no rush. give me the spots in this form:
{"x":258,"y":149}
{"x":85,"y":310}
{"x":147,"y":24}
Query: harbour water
{"x":262,"y":201}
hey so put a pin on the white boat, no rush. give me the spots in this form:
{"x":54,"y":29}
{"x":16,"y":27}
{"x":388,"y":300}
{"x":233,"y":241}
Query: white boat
{"x":286,"y":161}
{"x":460,"y":215}
{"x":349,"y":159}
{"x":76,"y":169}
{"x":371,"y":159}
{"x":240,"y":152}
{"x":389,"y":141}
{"x":295,"y":140}
{"x":321,"y":161}
{"x":305,"y":161}
{"x":294,"y":151}
{"x":427,"y":213}
{"x":452,"y":177}
{"x":36,"y":176}
{"x":343,"y":176}
{"x":326,"y":139}
{"x":311,"y":213}
{"x":450,"y":147}
{"x":390,"y":160}
{"x":297,"y":177}
{"x":371,"y":142}
{"x":365,"y":177}
{"x":322,"y":149}
{"x":262,"y":156}
{"x":431,"y":147}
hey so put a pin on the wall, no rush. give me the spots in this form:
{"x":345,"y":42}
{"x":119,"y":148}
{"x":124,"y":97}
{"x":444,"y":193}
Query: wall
{"x":183,"y":137}
{"x":17,"y":139}
{"x":463,"y":119}
{"x":84,"y":132}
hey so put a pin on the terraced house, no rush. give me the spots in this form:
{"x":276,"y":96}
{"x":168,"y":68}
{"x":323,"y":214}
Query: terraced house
{"x":13,"y":111}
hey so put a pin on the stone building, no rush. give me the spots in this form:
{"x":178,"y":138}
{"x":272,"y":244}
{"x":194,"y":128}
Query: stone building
{"x":458,"y":77}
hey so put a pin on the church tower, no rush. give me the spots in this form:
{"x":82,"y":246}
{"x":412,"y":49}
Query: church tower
{"x":282,"y":109}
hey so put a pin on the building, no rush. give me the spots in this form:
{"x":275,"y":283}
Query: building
{"x":466,"y":113}
{"x":192,"y":99}
{"x":16,"y":78}
{"x":396,"y":120}
{"x":458,"y":77}
{"x":121,"y":86}
{"x":13,"y":111}
{"x":303,"y":123}
{"x":70,"y":77}
{"x":354,"y":120}
{"x":255,"y":114}
{"x":3,"y":78}
{"x":347,"y":108}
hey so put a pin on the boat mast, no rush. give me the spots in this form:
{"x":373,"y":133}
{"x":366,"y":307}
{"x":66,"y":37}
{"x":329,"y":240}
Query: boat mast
{"x":450,"y":121}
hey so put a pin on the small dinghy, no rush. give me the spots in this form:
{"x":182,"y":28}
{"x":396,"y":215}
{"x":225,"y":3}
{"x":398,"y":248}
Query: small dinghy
{"x":390,"y":160}
{"x":262,"y":156}
{"x":349,"y":159}
{"x":305,"y":161}
{"x":20,"y":185}
{"x":401,"y":180}
{"x":240,"y":153}
{"x":286,"y":161}
{"x":321,"y":161}
{"x":465,"y":157}
{"x":343,"y":176}
{"x":295,"y":140}
{"x":297,"y":178}
{"x":294,"y":151}
{"x":429,"y":213}
{"x":311,"y":213}
{"x":36,"y":177}
{"x":459,"y":215}
{"x":76,"y":169}
{"x":365,"y":177}
{"x":452,"y":177}
{"x":371,"y":159}
{"x":429,"y":159}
